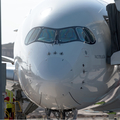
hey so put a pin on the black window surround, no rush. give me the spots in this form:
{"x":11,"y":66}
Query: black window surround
{"x":60,"y":36}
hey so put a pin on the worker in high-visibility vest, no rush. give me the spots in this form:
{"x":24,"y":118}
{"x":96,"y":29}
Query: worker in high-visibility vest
{"x":9,"y":104}
{"x":6,"y":99}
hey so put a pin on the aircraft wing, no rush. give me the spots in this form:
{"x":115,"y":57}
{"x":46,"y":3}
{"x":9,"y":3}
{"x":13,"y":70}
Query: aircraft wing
{"x":10,"y":68}
{"x":7,"y":59}
{"x":11,"y":77}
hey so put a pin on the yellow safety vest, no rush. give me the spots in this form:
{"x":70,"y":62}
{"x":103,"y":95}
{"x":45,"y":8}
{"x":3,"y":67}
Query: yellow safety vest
{"x":10,"y":95}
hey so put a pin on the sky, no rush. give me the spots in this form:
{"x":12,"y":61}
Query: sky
{"x":13,"y":13}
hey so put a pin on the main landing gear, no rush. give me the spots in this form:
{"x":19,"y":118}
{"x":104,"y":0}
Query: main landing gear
{"x":62,"y":114}
{"x":112,"y":115}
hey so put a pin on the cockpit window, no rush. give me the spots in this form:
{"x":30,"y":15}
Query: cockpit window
{"x":28,"y":36}
{"x":32,"y":35}
{"x":67,"y":35}
{"x":90,"y":35}
{"x":81,"y":34}
{"x":85,"y":35}
{"x":46,"y":35}
{"x":62,"y":35}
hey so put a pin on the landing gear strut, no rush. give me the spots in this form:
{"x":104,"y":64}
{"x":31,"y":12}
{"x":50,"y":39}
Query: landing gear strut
{"x":75,"y":113}
{"x":62,"y":114}
{"x":112,"y":115}
{"x":48,"y":112}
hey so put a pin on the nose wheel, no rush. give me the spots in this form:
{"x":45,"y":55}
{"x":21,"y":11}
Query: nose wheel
{"x":62,"y":114}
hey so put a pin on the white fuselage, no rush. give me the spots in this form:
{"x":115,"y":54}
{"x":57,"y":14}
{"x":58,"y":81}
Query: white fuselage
{"x":80,"y":75}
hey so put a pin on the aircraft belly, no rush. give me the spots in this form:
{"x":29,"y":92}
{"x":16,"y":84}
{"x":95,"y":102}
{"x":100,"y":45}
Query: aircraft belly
{"x":32,"y":94}
{"x":22,"y":78}
{"x":48,"y":101}
{"x":67,"y":102}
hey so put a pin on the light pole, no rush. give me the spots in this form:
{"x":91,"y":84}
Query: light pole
{"x":1,"y":84}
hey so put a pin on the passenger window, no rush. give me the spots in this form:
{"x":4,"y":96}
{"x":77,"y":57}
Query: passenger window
{"x":47,"y":35}
{"x":66,"y":35}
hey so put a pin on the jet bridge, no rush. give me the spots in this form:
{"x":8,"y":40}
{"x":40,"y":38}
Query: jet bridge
{"x":114,"y":24}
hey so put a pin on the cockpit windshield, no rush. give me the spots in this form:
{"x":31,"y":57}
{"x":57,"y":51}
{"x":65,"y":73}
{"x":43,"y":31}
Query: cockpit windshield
{"x":46,"y":35}
{"x":58,"y":36}
{"x":67,"y":35}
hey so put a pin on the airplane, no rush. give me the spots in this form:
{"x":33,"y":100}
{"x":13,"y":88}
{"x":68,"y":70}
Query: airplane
{"x":60,"y":56}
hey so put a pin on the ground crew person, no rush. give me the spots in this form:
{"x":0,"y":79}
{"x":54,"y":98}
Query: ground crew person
{"x":9,"y":104}
{"x":6,"y":99}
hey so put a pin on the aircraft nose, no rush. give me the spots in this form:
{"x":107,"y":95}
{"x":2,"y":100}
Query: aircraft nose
{"x":55,"y":69}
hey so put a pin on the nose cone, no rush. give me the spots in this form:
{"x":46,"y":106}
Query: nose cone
{"x":55,"y":69}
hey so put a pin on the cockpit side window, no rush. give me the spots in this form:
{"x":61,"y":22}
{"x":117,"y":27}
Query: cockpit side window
{"x":80,"y":33}
{"x":85,"y":35}
{"x":28,"y":36}
{"x":46,"y":35}
{"x":32,"y":35}
{"x":66,"y":35}
{"x":90,"y":35}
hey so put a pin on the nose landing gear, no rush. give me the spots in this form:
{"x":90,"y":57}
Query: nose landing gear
{"x":62,"y":114}
{"x":48,"y":112}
